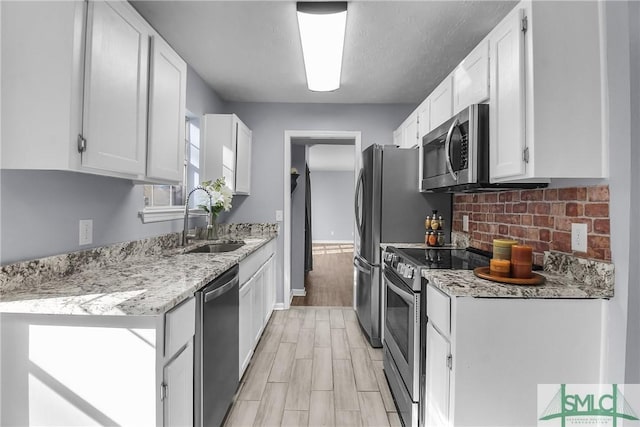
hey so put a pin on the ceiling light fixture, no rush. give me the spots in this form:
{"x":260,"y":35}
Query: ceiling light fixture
{"x":322,"y":27}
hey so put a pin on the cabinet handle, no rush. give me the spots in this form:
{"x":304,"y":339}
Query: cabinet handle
{"x":82,"y":144}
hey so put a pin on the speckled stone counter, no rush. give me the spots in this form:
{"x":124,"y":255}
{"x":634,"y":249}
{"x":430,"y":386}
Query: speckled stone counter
{"x":566,"y":277}
{"x":463,"y":283}
{"x":136,"y":278}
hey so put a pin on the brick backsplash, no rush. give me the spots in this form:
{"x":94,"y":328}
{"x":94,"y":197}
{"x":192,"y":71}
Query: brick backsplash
{"x":540,"y":218}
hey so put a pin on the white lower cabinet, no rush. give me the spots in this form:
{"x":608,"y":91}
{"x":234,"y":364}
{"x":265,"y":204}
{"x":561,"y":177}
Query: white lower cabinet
{"x":177,"y":391}
{"x":499,"y":350}
{"x":437,"y":378}
{"x":98,"y":370}
{"x":257,"y":299}
{"x":246,"y":325}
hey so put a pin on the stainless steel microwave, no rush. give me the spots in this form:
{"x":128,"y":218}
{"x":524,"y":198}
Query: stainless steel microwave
{"x":455,"y":155}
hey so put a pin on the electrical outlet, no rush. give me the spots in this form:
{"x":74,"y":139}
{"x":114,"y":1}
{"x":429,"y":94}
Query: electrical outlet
{"x":86,"y":232}
{"x":465,"y":222}
{"x":579,"y":237}
{"x":279,"y":216}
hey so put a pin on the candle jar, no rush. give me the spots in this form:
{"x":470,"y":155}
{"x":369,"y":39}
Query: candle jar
{"x":500,"y":267}
{"x":521,"y":261}
{"x":502,"y":248}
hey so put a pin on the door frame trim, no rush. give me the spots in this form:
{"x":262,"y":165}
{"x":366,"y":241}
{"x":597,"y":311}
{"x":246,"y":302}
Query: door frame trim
{"x":311,"y":134}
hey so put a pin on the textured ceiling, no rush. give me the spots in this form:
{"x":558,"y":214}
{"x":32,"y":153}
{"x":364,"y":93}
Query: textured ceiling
{"x":395,"y":51}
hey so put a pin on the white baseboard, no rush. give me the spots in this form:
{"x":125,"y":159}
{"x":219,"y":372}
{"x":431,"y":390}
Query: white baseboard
{"x":329,"y":242}
{"x":299,"y":292}
{"x":279,"y":306}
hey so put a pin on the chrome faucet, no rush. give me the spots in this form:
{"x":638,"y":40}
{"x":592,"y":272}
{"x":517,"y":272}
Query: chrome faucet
{"x":186,"y":237}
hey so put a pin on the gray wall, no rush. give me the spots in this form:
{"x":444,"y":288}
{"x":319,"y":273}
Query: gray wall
{"x":621,"y":330}
{"x":332,"y":195}
{"x":298,"y":161}
{"x":632,"y":374}
{"x":268,"y":121}
{"x":40,"y":210}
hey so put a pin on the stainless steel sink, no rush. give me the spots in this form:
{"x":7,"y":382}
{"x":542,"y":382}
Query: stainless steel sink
{"x":213,"y":248}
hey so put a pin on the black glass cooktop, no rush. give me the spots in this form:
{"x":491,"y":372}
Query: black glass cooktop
{"x":456,"y":259}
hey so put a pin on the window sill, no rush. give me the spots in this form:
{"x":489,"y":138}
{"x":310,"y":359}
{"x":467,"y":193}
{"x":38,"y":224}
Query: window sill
{"x":149,"y":215}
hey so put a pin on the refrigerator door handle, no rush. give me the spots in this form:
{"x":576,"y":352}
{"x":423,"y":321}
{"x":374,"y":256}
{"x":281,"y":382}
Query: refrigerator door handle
{"x":355,"y":202}
{"x":363,"y":265}
{"x":360,"y":267}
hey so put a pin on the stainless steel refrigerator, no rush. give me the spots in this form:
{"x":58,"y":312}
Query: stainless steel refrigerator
{"x":388,"y":209}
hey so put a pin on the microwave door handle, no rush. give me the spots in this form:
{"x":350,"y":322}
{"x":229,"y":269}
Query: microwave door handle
{"x":447,"y":148}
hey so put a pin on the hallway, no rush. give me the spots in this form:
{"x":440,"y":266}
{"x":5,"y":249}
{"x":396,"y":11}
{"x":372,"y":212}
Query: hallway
{"x":330,"y":283}
{"x":313,"y":367}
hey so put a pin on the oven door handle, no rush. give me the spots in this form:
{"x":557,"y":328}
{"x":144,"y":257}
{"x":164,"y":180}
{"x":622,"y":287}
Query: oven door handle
{"x":408,"y":297}
{"x":447,"y":148}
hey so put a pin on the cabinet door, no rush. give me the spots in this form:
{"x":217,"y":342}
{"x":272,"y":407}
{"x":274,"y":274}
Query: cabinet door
{"x":243,"y":159}
{"x":437,"y":378}
{"x":115,"y":96}
{"x":270,"y":288}
{"x":258,"y":305}
{"x":410,"y":131}
{"x":424,"y":113}
{"x":167,"y":95}
{"x":471,"y":78}
{"x":178,"y":380}
{"x":397,"y":137}
{"x":507,"y":106}
{"x":441,"y":103}
{"x":246,"y":325}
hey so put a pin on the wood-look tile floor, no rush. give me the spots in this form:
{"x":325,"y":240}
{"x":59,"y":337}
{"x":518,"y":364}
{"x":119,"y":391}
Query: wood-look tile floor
{"x":313,"y":367}
{"x":330,"y":283}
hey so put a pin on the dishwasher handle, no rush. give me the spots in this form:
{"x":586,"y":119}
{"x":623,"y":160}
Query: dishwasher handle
{"x":214,"y":293}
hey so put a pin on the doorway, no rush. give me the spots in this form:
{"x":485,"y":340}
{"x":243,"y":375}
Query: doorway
{"x":329,"y":280}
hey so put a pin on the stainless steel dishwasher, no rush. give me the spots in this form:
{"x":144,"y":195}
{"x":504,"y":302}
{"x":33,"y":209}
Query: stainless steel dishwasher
{"x":217,"y":348}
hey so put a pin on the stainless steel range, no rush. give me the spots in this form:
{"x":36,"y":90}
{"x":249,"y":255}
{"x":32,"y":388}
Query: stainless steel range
{"x":405,"y":317}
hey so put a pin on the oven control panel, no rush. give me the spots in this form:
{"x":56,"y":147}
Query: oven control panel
{"x":405,"y":270}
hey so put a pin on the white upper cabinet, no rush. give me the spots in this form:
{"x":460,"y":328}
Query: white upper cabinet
{"x":507,"y":109}
{"x":441,"y":103}
{"x":406,"y":136}
{"x":471,"y":78}
{"x":115,"y":96}
{"x":167,"y":98}
{"x":547,"y":92}
{"x":397,"y":137}
{"x":424,"y":119}
{"x":81,"y":72}
{"x":42,"y":76}
{"x":243,"y":159}
{"x":410,"y":131}
{"x":227,"y":151}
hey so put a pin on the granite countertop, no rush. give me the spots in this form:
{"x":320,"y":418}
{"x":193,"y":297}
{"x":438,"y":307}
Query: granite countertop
{"x":463,"y":283}
{"x":138,"y":286}
{"x":566,"y":277}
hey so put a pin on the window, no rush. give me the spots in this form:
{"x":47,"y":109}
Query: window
{"x":166,"y":202}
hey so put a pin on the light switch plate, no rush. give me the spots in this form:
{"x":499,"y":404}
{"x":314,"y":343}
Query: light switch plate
{"x":579,"y":237}
{"x":465,"y":222}
{"x":279,"y":216}
{"x":86,"y":232}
